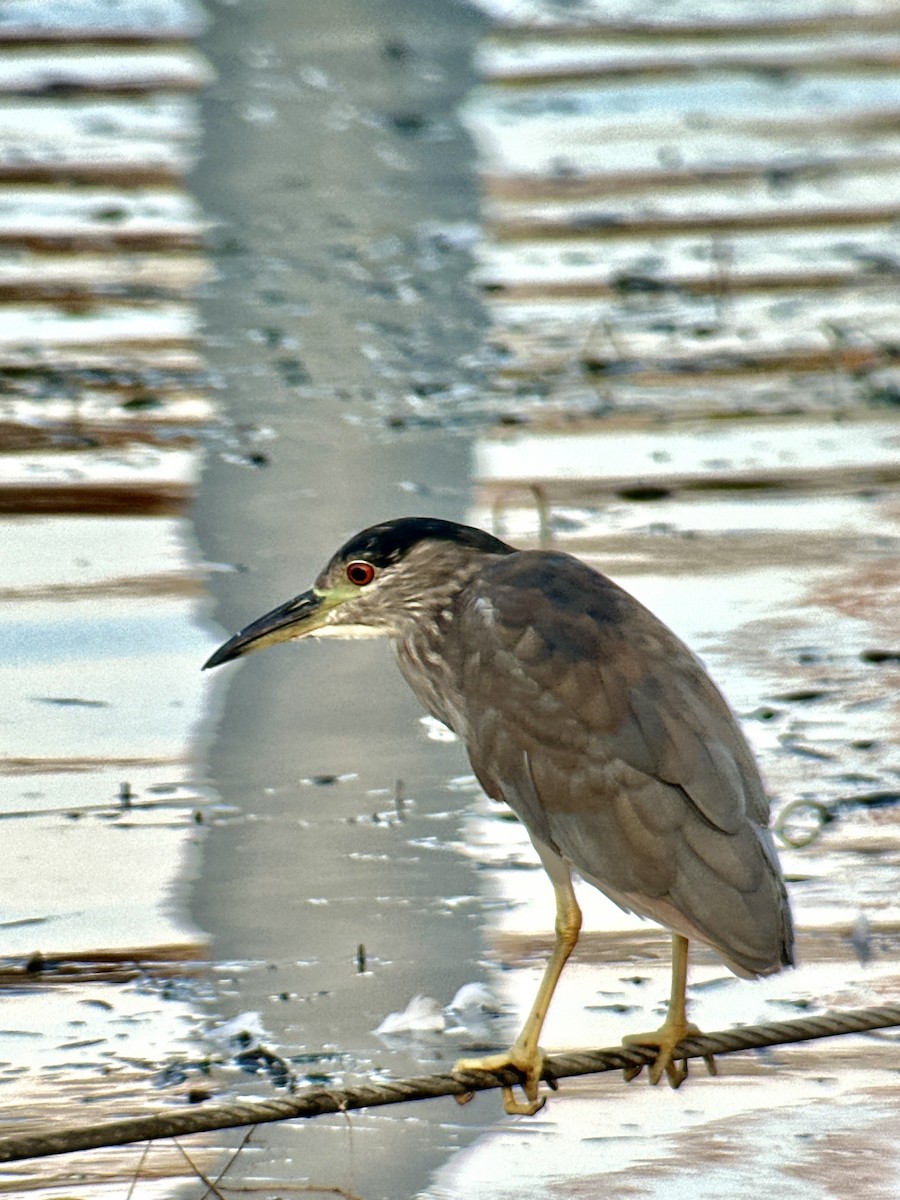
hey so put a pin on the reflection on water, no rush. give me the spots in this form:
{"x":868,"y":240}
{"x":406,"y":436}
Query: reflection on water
{"x":340,"y":321}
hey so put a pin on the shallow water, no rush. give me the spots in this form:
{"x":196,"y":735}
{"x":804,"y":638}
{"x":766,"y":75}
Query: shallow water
{"x":344,"y":186}
{"x":339,"y":857}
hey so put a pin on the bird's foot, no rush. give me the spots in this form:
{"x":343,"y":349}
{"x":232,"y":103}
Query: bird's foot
{"x":528,"y":1062}
{"x":666,"y":1040}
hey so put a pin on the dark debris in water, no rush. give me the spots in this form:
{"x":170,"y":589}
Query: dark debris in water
{"x":618,"y":1008}
{"x":257,"y":1060}
{"x":176,"y":1073}
{"x":880,"y":656}
{"x":764,"y":713}
{"x":644,"y":492}
{"x":802,"y":695}
{"x":108,"y":966}
{"x":23,"y":921}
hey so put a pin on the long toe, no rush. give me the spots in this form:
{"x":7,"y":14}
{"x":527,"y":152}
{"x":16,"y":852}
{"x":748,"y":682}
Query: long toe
{"x":666,"y":1040}
{"x":529,"y":1065}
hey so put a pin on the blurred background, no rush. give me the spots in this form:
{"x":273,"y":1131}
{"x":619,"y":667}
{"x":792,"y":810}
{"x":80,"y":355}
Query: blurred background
{"x":616,"y":277}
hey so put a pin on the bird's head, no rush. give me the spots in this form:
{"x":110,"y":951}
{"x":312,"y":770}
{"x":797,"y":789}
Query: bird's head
{"x":386,"y":577}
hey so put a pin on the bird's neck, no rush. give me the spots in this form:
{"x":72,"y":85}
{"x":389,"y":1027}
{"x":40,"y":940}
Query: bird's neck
{"x":425,"y":647}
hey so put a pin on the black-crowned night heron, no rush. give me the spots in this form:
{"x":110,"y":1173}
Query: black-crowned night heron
{"x":592,"y":721}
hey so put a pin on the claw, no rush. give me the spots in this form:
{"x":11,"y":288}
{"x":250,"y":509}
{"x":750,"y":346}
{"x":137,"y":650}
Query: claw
{"x":666,"y":1040}
{"x":530,"y":1066}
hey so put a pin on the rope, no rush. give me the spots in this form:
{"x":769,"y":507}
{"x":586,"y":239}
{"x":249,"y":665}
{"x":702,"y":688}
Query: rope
{"x":314,"y":1102}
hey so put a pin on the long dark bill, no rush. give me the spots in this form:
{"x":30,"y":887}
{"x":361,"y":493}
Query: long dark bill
{"x":298,"y":617}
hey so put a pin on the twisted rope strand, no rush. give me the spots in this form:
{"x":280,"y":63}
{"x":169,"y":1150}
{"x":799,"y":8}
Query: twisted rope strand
{"x":315,"y":1102}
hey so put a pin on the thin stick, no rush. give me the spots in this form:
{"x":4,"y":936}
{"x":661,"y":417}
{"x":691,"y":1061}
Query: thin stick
{"x":210,"y":1185}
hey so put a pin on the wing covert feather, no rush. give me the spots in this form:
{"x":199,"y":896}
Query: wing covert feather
{"x":577,"y":662}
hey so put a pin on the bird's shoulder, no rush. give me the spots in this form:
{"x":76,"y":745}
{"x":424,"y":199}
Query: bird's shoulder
{"x":551,"y":608}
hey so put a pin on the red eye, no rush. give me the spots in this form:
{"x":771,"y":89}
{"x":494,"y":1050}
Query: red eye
{"x":360,"y":573}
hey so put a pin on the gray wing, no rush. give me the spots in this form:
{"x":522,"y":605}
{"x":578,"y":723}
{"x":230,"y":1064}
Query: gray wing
{"x":601,"y":729}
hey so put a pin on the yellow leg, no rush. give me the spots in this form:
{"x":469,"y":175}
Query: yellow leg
{"x":525,"y":1054}
{"x":674,"y":1029}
